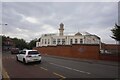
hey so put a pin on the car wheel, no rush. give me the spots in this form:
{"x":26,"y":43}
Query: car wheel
{"x":24,"y":61}
{"x":39,"y":61}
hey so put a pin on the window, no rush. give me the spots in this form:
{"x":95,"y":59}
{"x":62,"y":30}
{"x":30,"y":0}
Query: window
{"x":81,"y":41}
{"x":76,"y":41}
{"x":33,"y":52}
{"x":54,"y":41}
{"x":58,"y":41}
{"x":48,"y":41}
{"x":71,"y":41}
{"x":22,"y":52}
{"x":45,"y":41}
{"x":63,"y":41}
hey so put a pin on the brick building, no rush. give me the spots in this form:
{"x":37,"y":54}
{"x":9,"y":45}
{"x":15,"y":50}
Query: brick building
{"x":7,"y":44}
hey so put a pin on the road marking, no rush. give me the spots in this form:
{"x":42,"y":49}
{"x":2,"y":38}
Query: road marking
{"x":81,"y":71}
{"x":43,"y":68}
{"x":59,"y":75}
{"x":70,"y":68}
{"x":5,"y":74}
{"x":67,"y":67}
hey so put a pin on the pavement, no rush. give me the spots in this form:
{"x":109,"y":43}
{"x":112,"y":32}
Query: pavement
{"x":0,"y":76}
{"x":0,"y":68}
{"x":3,"y":73}
{"x":111,"y":63}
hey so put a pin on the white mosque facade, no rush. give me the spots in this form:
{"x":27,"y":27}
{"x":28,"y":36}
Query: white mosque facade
{"x":61,"y":39}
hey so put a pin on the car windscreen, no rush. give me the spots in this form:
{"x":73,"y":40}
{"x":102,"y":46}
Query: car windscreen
{"x":32,"y":52}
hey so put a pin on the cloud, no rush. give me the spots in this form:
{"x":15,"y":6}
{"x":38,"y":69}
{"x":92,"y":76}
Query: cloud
{"x":48,"y":28}
{"x":60,"y":0}
{"x":32,"y":20}
{"x":29,"y":20}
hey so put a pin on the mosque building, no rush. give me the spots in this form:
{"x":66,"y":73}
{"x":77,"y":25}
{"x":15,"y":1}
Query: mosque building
{"x":61,"y":39}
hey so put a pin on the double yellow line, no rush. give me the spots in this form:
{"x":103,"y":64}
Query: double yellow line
{"x":59,"y":75}
{"x":3,"y":72}
{"x":5,"y":75}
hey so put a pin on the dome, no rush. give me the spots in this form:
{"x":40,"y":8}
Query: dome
{"x":78,"y":34}
{"x":61,"y":24}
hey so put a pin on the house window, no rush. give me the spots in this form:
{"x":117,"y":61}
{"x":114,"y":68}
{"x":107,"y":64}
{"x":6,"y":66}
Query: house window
{"x":71,"y":41}
{"x":76,"y":41}
{"x":45,"y":41}
{"x":54,"y":41}
{"x":63,"y":41}
{"x":81,"y":41}
{"x":58,"y":41}
{"x":48,"y":41}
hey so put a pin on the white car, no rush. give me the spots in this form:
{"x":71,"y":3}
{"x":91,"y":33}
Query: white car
{"x":27,"y":56}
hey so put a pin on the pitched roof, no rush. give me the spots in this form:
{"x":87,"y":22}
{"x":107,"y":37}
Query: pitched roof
{"x":78,"y":34}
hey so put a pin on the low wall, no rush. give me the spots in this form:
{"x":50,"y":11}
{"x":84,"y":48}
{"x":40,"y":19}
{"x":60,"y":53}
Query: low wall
{"x":113,"y":52}
{"x":86,"y":51}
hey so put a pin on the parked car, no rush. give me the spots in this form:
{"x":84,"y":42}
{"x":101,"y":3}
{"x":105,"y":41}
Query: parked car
{"x":14,"y":50}
{"x":27,"y":56}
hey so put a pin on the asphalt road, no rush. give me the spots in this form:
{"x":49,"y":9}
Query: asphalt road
{"x":58,"y":68}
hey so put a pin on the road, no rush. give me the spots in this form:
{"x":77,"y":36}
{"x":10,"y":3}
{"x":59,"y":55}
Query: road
{"x":58,"y":68}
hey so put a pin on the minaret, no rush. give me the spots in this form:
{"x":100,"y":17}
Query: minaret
{"x":61,"y":29}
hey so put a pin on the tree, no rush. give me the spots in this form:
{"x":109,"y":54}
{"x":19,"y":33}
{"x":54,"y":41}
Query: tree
{"x":116,"y":33}
{"x":20,"y":43}
{"x":32,"y":43}
{"x":3,"y":39}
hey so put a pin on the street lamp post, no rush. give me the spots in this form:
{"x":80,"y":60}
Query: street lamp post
{"x":3,"y":24}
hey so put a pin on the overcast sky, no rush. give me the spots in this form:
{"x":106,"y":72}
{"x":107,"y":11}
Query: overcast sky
{"x":28,"y":20}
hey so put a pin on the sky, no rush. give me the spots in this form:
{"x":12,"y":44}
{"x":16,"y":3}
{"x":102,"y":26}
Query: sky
{"x":29,"y":20}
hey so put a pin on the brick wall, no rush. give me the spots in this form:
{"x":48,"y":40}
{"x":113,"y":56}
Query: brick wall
{"x":86,"y":51}
{"x":114,"y":52}
{"x":109,"y":58}
{"x":111,"y":47}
